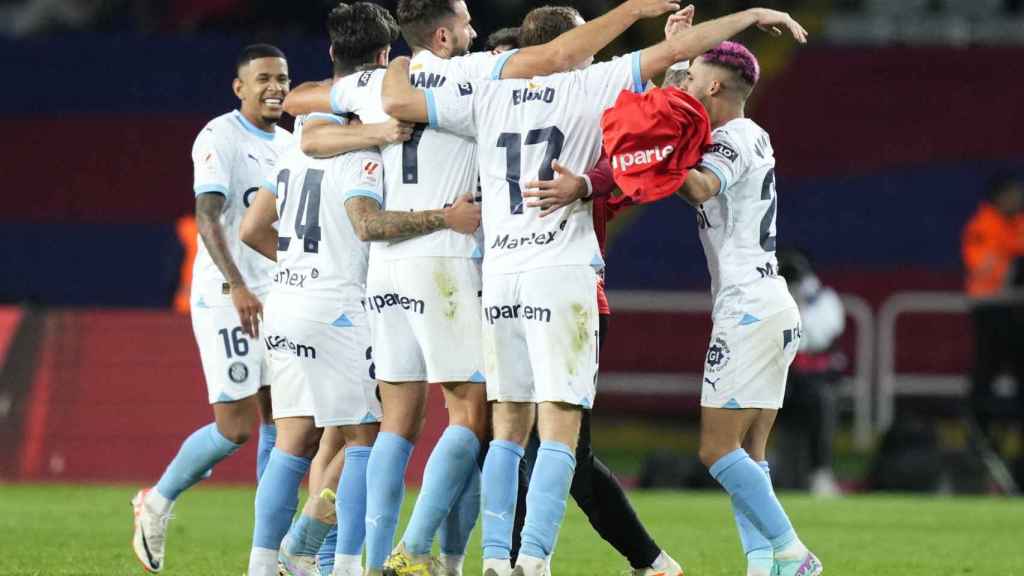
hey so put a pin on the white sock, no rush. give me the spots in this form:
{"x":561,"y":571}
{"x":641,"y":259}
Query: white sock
{"x":453,"y":563}
{"x":157,"y":503}
{"x":547,"y":565}
{"x":795,"y":550}
{"x":345,"y":565}
{"x":262,"y":562}
{"x":501,"y":566}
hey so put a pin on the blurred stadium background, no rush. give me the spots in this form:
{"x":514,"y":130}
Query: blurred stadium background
{"x":887,"y":129}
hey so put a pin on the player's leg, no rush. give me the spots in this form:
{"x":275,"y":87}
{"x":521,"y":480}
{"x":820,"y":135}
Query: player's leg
{"x":756,"y":547}
{"x":232,"y":366}
{"x":352,"y":499}
{"x":512,"y":423}
{"x":600,"y":496}
{"x":277,"y":494}
{"x":268,"y":433}
{"x":325,"y":558}
{"x":308,"y":534}
{"x":455,"y":530}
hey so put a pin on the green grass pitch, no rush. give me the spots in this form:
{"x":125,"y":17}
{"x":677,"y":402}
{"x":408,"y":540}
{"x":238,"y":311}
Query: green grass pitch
{"x":59,"y":530}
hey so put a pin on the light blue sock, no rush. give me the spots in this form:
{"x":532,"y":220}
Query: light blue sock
{"x":458,"y":525}
{"x":752,"y":494}
{"x":268,"y":436}
{"x":498,"y":497}
{"x":351,"y":502}
{"x":545,"y":500}
{"x":197,"y":455}
{"x":454,"y":457}
{"x":306,"y":536}
{"x":326,"y":557}
{"x":750,"y":537}
{"x":277,"y":497}
{"x":385,"y":478}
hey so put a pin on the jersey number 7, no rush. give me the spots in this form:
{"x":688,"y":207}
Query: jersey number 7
{"x":513,"y":145}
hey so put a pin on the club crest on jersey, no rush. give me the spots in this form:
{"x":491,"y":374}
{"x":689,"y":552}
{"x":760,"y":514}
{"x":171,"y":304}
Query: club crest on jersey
{"x":533,"y":93}
{"x":465,"y":88}
{"x":718,"y":355}
{"x":238,"y":372}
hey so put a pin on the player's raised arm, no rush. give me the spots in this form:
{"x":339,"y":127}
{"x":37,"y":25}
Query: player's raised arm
{"x":578,"y":45}
{"x":325,"y":138}
{"x":257,"y":228}
{"x":209,"y":207}
{"x":400,"y":99}
{"x":309,"y":97}
{"x":705,"y":36}
{"x":371,"y":223}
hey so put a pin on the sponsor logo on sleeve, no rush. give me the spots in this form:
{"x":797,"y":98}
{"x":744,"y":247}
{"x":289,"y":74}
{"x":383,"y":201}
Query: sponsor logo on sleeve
{"x":371,"y":172}
{"x":724,"y":151}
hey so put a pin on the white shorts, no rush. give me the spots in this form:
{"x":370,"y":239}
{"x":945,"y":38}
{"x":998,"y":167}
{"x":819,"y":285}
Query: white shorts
{"x":320,"y":370}
{"x":232,"y":362}
{"x":541,"y":336}
{"x":747,"y":364}
{"x":425,"y":319}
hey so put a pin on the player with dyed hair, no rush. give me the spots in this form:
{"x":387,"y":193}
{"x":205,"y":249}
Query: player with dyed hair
{"x":229,"y":283}
{"x":540,"y":314}
{"x":756,"y":330}
{"x":424,"y":293}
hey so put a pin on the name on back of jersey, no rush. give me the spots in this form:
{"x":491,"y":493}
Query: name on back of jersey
{"x":533,"y":93}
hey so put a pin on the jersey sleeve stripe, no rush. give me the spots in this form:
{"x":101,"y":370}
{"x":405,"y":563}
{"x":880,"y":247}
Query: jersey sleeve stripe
{"x":270,"y":187}
{"x":329,"y":117}
{"x":638,"y":79}
{"x":500,"y":64}
{"x":357,"y":193}
{"x":431,"y":109}
{"x":336,"y":99}
{"x":722,"y":182}
{"x":211,"y":188}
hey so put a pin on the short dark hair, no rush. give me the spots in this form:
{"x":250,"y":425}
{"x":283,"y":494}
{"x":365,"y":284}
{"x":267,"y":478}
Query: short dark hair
{"x":542,"y":25}
{"x":503,"y":37}
{"x":420,"y":18}
{"x":257,"y":51}
{"x":358,"y":31}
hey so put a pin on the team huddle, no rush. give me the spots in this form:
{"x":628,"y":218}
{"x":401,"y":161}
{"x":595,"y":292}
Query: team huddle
{"x":432,"y":221}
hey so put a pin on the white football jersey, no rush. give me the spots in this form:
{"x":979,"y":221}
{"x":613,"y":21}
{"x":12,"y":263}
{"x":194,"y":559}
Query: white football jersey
{"x":521,"y":126}
{"x":433,"y":168}
{"x":737,"y":226}
{"x":231,"y":156}
{"x":321,"y":274}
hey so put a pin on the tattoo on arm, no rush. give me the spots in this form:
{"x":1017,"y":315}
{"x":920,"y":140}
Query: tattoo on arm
{"x":373,"y":224}
{"x":208,"y":210}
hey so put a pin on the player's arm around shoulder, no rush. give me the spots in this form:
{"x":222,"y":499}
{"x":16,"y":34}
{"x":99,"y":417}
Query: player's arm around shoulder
{"x":400,"y":99}
{"x":701,"y":185}
{"x":324,"y":136}
{"x":309,"y":97}
{"x":373,"y":224}
{"x":257,"y":228}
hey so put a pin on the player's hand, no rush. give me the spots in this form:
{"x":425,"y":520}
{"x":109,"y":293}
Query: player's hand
{"x":463,"y":216}
{"x":394,"y":131}
{"x":250,"y":309}
{"x":680,"y":21}
{"x":553,"y":195}
{"x":773,"y":22}
{"x":652,"y":8}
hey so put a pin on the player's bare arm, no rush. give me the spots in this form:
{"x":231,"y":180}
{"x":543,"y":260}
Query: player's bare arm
{"x":373,"y":224}
{"x":577,"y":45}
{"x":309,"y":97}
{"x":398,"y":96}
{"x":699,"y":39}
{"x":700,"y":186}
{"x":208,"y":210}
{"x":257,"y":228}
{"x":552,"y":195}
{"x":677,"y":24}
{"x":326,"y":139}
